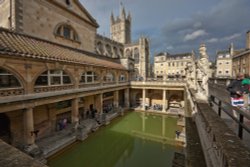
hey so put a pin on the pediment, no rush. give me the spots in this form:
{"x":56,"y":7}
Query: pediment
{"x":76,"y":7}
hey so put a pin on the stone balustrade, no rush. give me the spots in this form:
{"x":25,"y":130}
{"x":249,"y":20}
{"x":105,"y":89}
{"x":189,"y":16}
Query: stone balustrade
{"x":52,"y":88}
{"x":11,"y":92}
{"x":220,"y":144}
{"x":159,"y":83}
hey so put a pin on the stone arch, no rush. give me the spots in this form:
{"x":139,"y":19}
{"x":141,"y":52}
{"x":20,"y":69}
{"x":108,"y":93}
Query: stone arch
{"x":128,"y":53}
{"x":72,"y":80}
{"x":5,"y":131}
{"x":108,"y":50}
{"x":19,"y":78}
{"x":109,"y":76}
{"x":121,"y":53}
{"x":115,"y":54}
{"x":99,"y":48}
{"x":60,"y":28}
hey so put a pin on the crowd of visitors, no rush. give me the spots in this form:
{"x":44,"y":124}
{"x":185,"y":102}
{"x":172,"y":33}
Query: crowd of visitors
{"x":240,"y":91}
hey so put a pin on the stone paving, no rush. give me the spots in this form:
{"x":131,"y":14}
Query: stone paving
{"x":60,"y":139}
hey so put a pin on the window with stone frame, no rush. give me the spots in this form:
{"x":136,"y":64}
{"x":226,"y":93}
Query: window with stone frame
{"x":67,"y":32}
{"x":53,"y":77}
{"x":109,"y":77}
{"x":8,"y":80}
{"x":122,"y":78}
{"x":89,"y":77}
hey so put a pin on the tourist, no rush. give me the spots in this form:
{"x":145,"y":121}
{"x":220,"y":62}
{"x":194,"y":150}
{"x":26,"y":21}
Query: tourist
{"x":177,"y":132}
{"x":246,"y":90}
{"x":236,"y":91}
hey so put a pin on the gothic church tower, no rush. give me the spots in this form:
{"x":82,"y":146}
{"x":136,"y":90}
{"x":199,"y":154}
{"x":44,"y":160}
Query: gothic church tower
{"x":120,"y":28}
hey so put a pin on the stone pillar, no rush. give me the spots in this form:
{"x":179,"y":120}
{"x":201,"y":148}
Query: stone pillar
{"x":75,"y":110}
{"x":116,"y":98}
{"x":127,"y":99}
{"x":143,"y":99}
{"x":28,"y":122}
{"x":99,"y":103}
{"x":164,"y":101}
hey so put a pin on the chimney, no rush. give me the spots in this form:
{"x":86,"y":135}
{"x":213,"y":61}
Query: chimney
{"x":248,"y":40}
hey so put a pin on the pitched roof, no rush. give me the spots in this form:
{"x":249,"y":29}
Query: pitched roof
{"x":16,"y":44}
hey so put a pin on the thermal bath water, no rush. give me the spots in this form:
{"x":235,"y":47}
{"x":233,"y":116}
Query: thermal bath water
{"x":136,"y":140}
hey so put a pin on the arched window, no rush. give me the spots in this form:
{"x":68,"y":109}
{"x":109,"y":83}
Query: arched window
{"x":99,"y":48}
{"x":128,"y":53}
{"x":136,"y":55}
{"x":109,"y":77}
{"x":115,"y":52}
{"x":122,"y":77}
{"x":67,"y":32}
{"x":53,"y":77}
{"x":89,"y":77}
{"x":108,"y":50}
{"x":8,"y":80}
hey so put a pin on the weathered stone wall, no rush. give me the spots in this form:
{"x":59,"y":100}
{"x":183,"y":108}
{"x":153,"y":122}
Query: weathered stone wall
{"x":5,"y":14}
{"x":40,"y":18}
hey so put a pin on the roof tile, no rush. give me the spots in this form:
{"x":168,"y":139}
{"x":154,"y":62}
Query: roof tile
{"x":22,"y":45}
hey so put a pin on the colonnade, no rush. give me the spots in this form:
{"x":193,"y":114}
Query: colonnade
{"x":164,"y":98}
{"x":28,"y":118}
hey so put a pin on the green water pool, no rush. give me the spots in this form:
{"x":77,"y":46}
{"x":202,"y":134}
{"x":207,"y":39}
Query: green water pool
{"x":136,"y":140}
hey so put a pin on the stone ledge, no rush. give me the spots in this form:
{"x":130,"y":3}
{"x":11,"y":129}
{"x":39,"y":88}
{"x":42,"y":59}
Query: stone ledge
{"x":12,"y":157}
{"x":223,"y":141}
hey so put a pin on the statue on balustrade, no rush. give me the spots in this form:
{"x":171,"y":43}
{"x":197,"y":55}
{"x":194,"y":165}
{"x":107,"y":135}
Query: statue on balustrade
{"x":202,"y":72}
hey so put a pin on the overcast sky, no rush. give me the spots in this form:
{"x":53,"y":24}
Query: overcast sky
{"x":178,"y":26}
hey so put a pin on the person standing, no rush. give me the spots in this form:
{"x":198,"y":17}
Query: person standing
{"x":236,"y":92}
{"x":246,"y":91}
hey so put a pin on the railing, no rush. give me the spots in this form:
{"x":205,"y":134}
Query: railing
{"x":86,"y":85}
{"x":39,"y":89}
{"x":220,"y":145}
{"x":11,"y":92}
{"x":223,"y":105}
{"x":159,"y":83}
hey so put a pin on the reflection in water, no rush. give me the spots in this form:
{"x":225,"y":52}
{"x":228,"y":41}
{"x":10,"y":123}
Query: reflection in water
{"x":138,"y":139}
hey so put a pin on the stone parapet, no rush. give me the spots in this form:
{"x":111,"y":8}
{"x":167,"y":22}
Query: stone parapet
{"x":220,"y":144}
{"x":12,"y":157}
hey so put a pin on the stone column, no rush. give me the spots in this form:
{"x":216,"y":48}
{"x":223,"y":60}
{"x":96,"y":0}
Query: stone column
{"x":164,"y":101}
{"x":99,"y":103}
{"x":75,"y":110}
{"x":143,"y":99}
{"x":28,"y":122}
{"x":127,"y":100}
{"x":116,"y":98}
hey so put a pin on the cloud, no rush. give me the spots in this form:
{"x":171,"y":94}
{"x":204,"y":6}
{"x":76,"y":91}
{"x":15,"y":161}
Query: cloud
{"x":181,"y":24}
{"x":212,"y":40}
{"x":224,"y":39}
{"x":231,"y":37}
{"x":194,"y":35}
